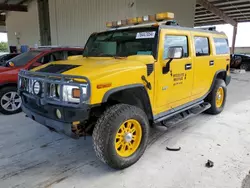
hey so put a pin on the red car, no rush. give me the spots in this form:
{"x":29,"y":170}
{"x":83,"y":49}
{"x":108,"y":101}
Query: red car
{"x":10,"y":101}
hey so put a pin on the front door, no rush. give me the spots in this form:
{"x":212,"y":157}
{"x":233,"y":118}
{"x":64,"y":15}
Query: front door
{"x":174,"y":84}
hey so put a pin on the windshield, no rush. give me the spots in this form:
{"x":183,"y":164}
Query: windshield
{"x":122,"y":43}
{"x":24,"y":58}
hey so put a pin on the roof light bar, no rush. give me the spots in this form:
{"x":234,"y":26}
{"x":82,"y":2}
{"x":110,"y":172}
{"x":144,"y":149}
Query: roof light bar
{"x":140,"y":20}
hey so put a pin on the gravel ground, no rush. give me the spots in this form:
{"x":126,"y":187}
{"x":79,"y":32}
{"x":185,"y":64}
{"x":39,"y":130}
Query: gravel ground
{"x":32,"y":156}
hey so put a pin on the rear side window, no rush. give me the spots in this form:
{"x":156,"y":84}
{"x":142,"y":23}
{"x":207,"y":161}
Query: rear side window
{"x":221,"y":46}
{"x":174,"y":40}
{"x":202,"y":46}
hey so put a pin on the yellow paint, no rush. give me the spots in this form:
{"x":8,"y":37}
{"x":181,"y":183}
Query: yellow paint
{"x":74,"y":57}
{"x":128,"y":138}
{"x":204,"y":74}
{"x":165,"y":93}
{"x":170,"y":93}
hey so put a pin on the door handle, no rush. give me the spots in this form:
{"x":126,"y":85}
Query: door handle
{"x":188,"y":66}
{"x":211,"y":63}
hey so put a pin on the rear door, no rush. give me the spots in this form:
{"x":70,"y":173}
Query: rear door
{"x":203,"y":64}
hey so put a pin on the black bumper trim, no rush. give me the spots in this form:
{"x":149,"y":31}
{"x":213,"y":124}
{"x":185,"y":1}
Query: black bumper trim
{"x":56,"y":126}
{"x":69,"y":114}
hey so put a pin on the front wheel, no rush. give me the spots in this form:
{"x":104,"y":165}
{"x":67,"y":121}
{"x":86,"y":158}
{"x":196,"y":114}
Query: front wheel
{"x":10,"y":101}
{"x":217,"y":97}
{"x":120,"y":136}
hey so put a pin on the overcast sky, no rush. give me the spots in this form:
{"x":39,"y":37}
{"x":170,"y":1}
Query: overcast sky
{"x":243,"y":37}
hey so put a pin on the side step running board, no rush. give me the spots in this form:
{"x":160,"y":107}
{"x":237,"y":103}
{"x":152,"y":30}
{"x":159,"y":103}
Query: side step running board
{"x":186,"y":114}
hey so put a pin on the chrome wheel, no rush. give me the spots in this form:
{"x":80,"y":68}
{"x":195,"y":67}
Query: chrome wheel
{"x":11,"y":101}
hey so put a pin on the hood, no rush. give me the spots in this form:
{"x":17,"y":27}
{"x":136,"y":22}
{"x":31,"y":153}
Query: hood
{"x":97,"y":67}
{"x":4,"y":69}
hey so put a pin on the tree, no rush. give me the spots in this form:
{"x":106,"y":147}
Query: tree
{"x":3,"y":47}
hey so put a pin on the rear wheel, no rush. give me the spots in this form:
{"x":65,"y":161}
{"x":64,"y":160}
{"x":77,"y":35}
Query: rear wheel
{"x":120,"y":135}
{"x":10,"y":101}
{"x":217,"y":97}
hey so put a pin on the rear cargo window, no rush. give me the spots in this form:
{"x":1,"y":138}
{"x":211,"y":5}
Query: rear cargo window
{"x":202,"y":46}
{"x":221,"y":46}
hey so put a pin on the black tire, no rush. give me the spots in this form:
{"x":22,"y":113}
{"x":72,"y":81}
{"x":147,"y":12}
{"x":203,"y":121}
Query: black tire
{"x":245,"y":66}
{"x":106,"y":129}
{"x":212,"y":97}
{"x":4,"y":91}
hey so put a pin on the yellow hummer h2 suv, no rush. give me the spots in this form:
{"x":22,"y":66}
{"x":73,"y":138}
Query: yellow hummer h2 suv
{"x":140,"y":72}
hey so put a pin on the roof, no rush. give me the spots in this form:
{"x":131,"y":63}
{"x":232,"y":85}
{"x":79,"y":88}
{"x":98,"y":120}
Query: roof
{"x":237,"y":10}
{"x":52,"y":48}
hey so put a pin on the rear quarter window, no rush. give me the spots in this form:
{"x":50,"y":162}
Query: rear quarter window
{"x":221,"y":46}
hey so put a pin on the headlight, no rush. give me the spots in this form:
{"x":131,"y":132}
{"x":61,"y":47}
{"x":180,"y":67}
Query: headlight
{"x":37,"y":88}
{"x":73,"y":93}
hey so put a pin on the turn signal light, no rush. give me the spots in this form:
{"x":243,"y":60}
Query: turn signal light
{"x":104,"y":85}
{"x":76,"y":93}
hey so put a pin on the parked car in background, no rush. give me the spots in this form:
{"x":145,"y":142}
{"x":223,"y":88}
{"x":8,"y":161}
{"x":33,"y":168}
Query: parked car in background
{"x":6,"y":57}
{"x":10,"y":102}
{"x":240,"y":61}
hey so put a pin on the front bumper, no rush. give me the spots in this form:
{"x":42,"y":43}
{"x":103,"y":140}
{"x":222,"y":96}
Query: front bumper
{"x":46,"y":115}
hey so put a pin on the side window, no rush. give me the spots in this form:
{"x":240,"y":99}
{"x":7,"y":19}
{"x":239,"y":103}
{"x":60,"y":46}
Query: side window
{"x":44,"y":59}
{"x":202,"y":46}
{"x":174,"y":40}
{"x":55,"y":56}
{"x":221,"y":46}
{"x":76,"y":52}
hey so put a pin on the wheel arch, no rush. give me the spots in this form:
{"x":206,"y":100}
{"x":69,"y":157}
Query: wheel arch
{"x":11,"y":84}
{"x":135,"y":94}
{"x":220,"y":74}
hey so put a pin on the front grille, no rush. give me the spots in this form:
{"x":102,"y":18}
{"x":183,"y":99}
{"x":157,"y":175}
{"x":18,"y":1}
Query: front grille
{"x":51,"y":90}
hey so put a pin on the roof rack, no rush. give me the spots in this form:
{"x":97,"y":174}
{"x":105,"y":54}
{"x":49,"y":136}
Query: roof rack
{"x":213,"y":28}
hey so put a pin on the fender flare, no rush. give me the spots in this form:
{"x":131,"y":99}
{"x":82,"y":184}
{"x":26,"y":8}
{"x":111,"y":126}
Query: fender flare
{"x":144,"y":97}
{"x":226,"y":78}
{"x":114,"y":90}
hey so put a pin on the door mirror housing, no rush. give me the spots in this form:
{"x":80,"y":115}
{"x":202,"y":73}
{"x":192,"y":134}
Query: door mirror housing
{"x":175,"y":52}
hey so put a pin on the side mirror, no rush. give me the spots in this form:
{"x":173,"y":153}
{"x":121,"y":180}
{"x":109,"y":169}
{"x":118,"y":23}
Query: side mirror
{"x":175,"y":52}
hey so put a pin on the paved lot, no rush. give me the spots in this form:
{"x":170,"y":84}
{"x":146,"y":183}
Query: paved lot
{"x":32,"y":156}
